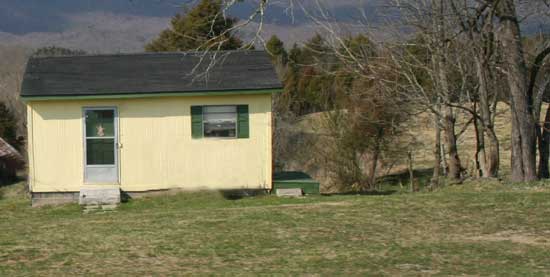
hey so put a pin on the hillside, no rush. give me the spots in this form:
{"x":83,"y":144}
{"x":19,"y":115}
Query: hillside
{"x":423,"y":130}
{"x":419,"y":131}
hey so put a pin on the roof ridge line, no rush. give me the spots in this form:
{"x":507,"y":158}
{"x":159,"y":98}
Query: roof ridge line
{"x":182,"y":53}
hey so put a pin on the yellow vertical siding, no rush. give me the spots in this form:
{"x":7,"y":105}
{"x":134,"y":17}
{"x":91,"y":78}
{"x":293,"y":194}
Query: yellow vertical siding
{"x":157,"y":149}
{"x":30,"y":147}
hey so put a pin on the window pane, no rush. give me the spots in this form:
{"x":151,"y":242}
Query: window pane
{"x":219,"y":117}
{"x":223,"y":129}
{"x":220,"y":109}
{"x":100,"y":151}
{"x":100,"y":123}
{"x":220,"y":121}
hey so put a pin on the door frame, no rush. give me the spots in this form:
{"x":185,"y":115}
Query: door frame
{"x":116,"y":141}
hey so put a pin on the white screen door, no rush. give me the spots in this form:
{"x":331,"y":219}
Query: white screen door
{"x":100,"y":141}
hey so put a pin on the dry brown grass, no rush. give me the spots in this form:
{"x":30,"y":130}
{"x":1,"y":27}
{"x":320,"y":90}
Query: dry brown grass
{"x":420,"y":135}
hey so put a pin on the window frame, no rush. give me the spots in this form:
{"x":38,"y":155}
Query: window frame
{"x":114,"y":137}
{"x":236,"y":136}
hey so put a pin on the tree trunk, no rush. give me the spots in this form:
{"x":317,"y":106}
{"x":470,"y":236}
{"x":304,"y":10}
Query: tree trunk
{"x":440,"y":62}
{"x":455,"y":168}
{"x":491,"y":155}
{"x":411,"y":171}
{"x":375,"y":156}
{"x":516,"y":162}
{"x":479,"y":156}
{"x":437,"y":154}
{"x":544,"y":147}
{"x":542,"y":130}
{"x":443,"y":157}
{"x":372,"y":171}
{"x":523,"y":126}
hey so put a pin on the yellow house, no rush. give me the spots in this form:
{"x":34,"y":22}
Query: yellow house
{"x":149,"y":122}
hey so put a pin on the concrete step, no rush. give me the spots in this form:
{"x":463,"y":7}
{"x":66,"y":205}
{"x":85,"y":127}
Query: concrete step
{"x":100,"y":195}
{"x":292,"y":192}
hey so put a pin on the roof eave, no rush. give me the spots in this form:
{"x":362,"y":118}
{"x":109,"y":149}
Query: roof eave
{"x":27,"y":98}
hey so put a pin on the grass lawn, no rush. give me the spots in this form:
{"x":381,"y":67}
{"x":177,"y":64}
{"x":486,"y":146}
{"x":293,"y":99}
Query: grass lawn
{"x":473,"y":229}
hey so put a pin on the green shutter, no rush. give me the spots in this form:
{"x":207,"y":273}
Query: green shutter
{"x":196,"y":121}
{"x":242,"y":118}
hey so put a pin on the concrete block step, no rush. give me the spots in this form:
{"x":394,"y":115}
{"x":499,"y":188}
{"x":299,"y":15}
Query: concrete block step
{"x":108,"y":195}
{"x":292,"y":192}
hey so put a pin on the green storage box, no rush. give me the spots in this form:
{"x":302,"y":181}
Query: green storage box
{"x":295,"y":179}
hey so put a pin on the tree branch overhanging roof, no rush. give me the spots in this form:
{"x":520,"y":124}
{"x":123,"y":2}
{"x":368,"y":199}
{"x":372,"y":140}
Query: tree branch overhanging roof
{"x":149,"y":74}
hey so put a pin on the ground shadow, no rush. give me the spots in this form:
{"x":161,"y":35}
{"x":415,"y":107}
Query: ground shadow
{"x":365,"y":193}
{"x":236,"y":194}
{"x":395,"y":183}
{"x":6,"y":182}
{"x":421,"y":176}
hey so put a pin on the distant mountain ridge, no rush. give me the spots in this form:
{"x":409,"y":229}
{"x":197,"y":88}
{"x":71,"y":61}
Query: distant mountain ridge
{"x":106,"y":26}
{"x":95,"y":33}
{"x":28,"y":16}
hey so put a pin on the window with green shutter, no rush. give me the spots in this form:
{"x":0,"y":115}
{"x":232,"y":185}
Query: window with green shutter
{"x":242,"y":119}
{"x":220,"y":121}
{"x":196,"y":121}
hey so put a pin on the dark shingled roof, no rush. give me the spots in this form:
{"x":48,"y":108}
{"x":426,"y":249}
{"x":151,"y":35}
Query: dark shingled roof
{"x":7,"y":152}
{"x":148,"y":73}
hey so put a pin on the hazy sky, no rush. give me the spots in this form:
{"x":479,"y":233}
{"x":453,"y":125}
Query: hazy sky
{"x":126,"y":25}
{"x":24,"y":16}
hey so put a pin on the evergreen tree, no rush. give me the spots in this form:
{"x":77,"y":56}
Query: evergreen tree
{"x":8,"y":126}
{"x":308,"y":87}
{"x":315,"y":50}
{"x":276,"y":48}
{"x":361,"y":46}
{"x":294,"y":55}
{"x":192,"y":29}
{"x":315,"y":78}
{"x":291,"y":78}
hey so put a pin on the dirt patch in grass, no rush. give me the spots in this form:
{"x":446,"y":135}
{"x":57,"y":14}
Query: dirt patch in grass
{"x":515,"y":237}
{"x":302,"y":205}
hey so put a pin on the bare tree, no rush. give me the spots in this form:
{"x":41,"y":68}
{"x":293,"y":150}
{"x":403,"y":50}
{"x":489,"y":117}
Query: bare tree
{"x":429,"y":65}
{"x":478,"y":41}
{"x":476,"y":22}
{"x":540,"y":82}
{"x":543,"y":134}
{"x":12,"y":66}
{"x":523,"y":126}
